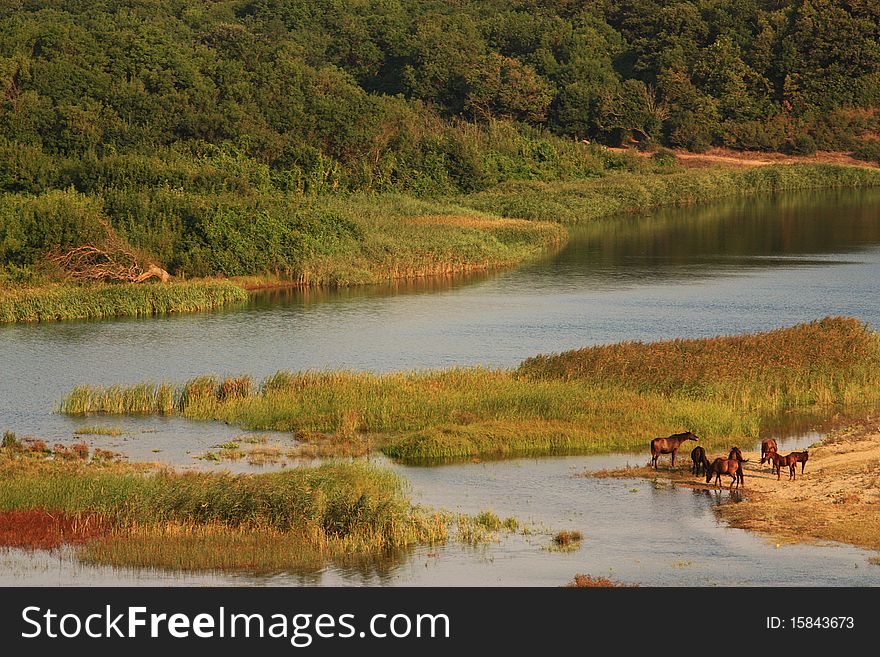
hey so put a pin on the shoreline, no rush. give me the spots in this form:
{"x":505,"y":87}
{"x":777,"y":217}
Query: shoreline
{"x":500,"y":228}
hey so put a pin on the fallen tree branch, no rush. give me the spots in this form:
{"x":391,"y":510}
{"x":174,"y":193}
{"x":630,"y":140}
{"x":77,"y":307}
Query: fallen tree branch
{"x":113,"y":260}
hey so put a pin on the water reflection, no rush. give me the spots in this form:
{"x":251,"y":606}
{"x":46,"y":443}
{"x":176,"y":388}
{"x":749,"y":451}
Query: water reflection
{"x":713,"y":239}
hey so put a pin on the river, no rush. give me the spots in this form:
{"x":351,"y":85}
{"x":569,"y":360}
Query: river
{"x":726,"y":267}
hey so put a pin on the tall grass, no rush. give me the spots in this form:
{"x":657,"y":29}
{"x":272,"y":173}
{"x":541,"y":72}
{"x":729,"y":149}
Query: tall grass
{"x":834,"y":359}
{"x":66,"y":301}
{"x":580,"y":201}
{"x":338,"y":498}
{"x":591,"y":400}
{"x":297,"y":520}
{"x":396,"y":236}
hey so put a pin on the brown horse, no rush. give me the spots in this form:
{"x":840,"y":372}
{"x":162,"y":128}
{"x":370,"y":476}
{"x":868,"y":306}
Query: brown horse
{"x":789,"y":460}
{"x":802,"y":458}
{"x":669,"y":446}
{"x":767,"y":445}
{"x":701,"y":463}
{"x":722,"y":466}
{"x":737,"y":455}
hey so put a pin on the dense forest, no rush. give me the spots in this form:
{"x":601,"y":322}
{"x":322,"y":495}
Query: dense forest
{"x":181,"y":120}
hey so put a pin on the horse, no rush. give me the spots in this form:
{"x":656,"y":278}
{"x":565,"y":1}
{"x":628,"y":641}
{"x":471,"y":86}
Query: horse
{"x":669,"y":445}
{"x":698,"y":456}
{"x":737,"y":455}
{"x":802,"y":458}
{"x":722,"y":466}
{"x":767,"y":445}
{"x":790,"y":460}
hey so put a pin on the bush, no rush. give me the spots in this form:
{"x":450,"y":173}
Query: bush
{"x":802,"y":145}
{"x":664,"y":159}
{"x":869,"y":151}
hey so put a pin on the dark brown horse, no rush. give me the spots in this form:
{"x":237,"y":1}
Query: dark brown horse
{"x":669,"y":446}
{"x":722,"y":466}
{"x":789,"y":460}
{"x":801,"y":458}
{"x":701,"y":463}
{"x":767,"y":445}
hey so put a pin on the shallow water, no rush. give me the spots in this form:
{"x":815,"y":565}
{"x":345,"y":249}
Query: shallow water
{"x":669,"y":537}
{"x":722,"y":268}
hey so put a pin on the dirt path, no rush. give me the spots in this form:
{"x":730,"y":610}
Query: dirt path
{"x":837,"y":498}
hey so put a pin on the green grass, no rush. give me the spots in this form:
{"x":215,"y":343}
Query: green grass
{"x":44,"y":303}
{"x":397,"y":236}
{"x":581,"y":201}
{"x":99,"y":431}
{"x":188,"y":520}
{"x":592,"y":400}
{"x":340,"y":498}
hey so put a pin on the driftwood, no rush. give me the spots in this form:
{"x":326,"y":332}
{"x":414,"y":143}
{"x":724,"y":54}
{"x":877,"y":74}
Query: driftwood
{"x":112,"y":260}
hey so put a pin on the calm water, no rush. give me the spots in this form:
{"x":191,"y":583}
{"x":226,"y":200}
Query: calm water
{"x":723,"y":268}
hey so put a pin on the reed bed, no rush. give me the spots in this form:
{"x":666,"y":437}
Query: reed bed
{"x":98,"y":431}
{"x":599,"y":399}
{"x":581,"y":201}
{"x":298,"y":520}
{"x":53,"y":302}
{"x":814,"y":363}
{"x":582,"y":581}
{"x":130,"y":515}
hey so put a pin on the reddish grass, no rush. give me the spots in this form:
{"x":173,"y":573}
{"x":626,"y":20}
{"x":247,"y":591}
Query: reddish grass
{"x":38,"y":529}
{"x":37,"y":446}
{"x":105,"y":455}
{"x":589,"y":582}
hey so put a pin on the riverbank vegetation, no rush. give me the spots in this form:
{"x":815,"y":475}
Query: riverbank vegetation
{"x":59,"y":301}
{"x":299,"y":520}
{"x":578,"y":202}
{"x":604,"y":398}
{"x":127,"y":515}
